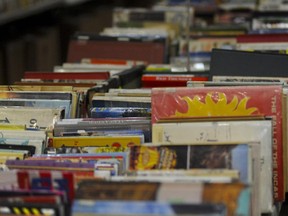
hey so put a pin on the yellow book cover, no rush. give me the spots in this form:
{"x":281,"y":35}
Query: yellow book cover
{"x":87,"y":141}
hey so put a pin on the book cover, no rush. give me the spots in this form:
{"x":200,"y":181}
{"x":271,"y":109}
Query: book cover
{"x":235,"y":196}
{"x":40,"y":103}
{"x":138,"y":208}
{"x":112,"y":112}
{"x":107,"y":47}
{"x":89,"y":125}
{"x":66,"y":75}
{"x":104,"y":141}
{"x":78,"y":168}
{"x":227,"y":101}
{"x":213,"y":156}
{"x":121,"y":101}
{"x":226,"y":130}
{"x":247,"y":63}
{"x":121,"y":157}
{"x":31,"y":117}
{"x":165,"y":80}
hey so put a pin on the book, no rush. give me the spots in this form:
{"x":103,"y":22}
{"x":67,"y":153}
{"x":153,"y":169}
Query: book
{"x":205,"y":44}
{"x":122,"y":157}
{"x":121,"y":101}
{"x":131,"y":78}
{"x":111,"y":61}
{"x":83,"y":45}
{"x":247,"y":63}
{"x":70,"y":67}
{"x":165,"y":80}
{"x":78,"y":168}
{"x":66,"y":75}
{"x":85,"y":141}
{"x":19,"y":208}
{"x":29,"y":149}
{"x":110,"y":112}
{"x":227,"y":193}
{"x":198,"y":156}
{"x":91,"y":208}
{"x":263,"y":42}
{"x":104,"y":126}
{"x":248,"y":80}
{"x":227,"y":101}
{"x":40,"y":103}
{"x":31,"y":117}
{"x":178,"y":15}
{"x":225,"y":130}
{"x":47,"y":180}
{"x":24,"y":142}
{"x":178,"y":172}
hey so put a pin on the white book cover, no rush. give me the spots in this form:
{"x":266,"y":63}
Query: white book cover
{"x":31,"y":117}
{"x":225,"y":131}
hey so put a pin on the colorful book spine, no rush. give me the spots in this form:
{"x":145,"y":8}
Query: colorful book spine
{"x":112,"y":112}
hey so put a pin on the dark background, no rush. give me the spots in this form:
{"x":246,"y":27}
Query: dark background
{"x":39,"y":41}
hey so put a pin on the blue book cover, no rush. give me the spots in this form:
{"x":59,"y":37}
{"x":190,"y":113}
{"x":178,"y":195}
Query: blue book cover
{"x":146,"y":208}
{"x":112,"y":112}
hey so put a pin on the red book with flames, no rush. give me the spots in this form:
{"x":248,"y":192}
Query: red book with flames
{"x":183,"y":102}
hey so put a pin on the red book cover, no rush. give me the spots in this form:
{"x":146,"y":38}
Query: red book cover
{"x":262,"y":38}
{"x":151,"y":81}
{"x":66,"y":75}
{"x":112,"y":61}
{"x":227,"y":101}
{"x":150,"y":51}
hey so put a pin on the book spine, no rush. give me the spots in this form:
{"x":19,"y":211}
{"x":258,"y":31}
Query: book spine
{"x":115,"y":141}
{"x":105,"y":112}
{"x":65,"y":75}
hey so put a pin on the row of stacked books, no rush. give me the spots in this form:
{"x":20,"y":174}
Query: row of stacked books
{"x":203,"y":150}
{"x":158,"y":38}
{"x":159,"y":135}
{"x":84,"y":139}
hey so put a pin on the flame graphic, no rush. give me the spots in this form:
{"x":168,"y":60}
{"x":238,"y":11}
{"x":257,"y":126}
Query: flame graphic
{"x":216,"y":106}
